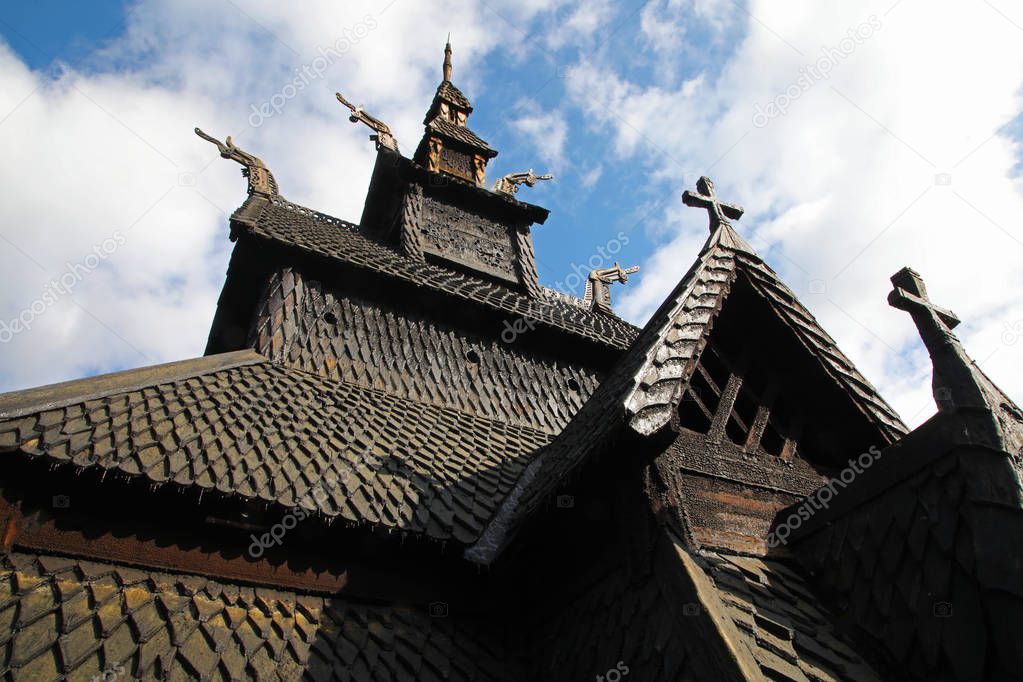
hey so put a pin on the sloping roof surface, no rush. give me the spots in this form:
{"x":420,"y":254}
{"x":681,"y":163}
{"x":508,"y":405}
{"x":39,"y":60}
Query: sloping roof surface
{"x":287,"y":223}
{"x":447,"y":91}
{"x":658,"y":384}
{"x":647,"y":383}
{"x":246,"y":427}
{"x":460,"y":133}
{"x":780,"y":621}
{"x":81,"y":619}
{"x":922,"y":550}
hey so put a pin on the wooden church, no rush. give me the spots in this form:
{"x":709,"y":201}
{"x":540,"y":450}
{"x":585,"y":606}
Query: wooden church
{"x":365,"y":478}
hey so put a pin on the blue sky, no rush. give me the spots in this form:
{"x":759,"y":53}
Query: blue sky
{"x":48,"y":30}
{"x":52,"y":35}
{"x":853,"y":172}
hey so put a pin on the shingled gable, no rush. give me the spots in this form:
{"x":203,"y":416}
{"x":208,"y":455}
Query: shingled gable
{"x":357,"y":381}
{"x":283,"y":223}
{"x":644,"y":391}
{"x":921,"y":550}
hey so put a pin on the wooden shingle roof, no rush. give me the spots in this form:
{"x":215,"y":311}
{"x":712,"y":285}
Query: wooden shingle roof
{"x":81,"y":620}
{"x":449,"y":93}
{"x":461,"y":134}
{"x":644,"y":389}
{"x":780,"y":620}
{"x":242,"y":426}
{"x":285,"y":223}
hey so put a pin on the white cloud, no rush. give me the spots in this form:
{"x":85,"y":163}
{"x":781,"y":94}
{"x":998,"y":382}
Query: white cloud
{"x":545,"y":131}
{"x":581,"y":23}
{"x":592,"y":176}
{"x":842,"y":187}
{"x":111,"y":149}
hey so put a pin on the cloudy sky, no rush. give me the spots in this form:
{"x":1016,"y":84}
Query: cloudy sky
{"x":860,"y":137}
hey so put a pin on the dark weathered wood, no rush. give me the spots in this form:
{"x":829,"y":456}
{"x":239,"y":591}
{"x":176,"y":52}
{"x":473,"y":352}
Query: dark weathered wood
{"x":756,"y":431}
{"x":477,"y":474}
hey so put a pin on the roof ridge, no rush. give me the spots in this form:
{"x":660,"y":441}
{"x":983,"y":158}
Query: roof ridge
{"x":62,"y":394}
{"x":660,"y":374}
{"x":727,"y":237}
{"x":712,"y":275}
{"x":378,"y":257}
{"x":313,"y":213}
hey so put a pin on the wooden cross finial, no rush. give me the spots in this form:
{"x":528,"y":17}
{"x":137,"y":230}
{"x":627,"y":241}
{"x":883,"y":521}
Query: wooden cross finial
{"x":705,"y":197}
{"x":910,"y":295}
{"x":954,"y":382}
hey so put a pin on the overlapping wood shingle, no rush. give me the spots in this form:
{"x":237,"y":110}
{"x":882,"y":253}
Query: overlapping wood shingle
{"x":920,"y":552}
{"x":304,"y":324}
{"x":81,"y":620}
{"x":286,"y":223}
{"x":781,"y":622}
{"x":457,"y":132}
{"x":243,"y":426}
{"x":646,"y":386}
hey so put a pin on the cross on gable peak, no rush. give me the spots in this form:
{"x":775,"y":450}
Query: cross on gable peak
{"x":910,"y":294}
{"x":957,"y":382}
{"x":706,"y":197}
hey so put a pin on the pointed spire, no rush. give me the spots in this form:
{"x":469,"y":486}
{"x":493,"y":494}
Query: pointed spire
{"x":448,"y":144}
{"x":447,"y":59}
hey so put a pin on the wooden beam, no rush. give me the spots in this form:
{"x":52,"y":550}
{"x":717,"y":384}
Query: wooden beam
{"x":756,"y":432}
{"x":795,"y":432}
{"x":725,"y":406}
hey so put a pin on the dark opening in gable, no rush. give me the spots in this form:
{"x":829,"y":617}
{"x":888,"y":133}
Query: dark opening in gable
{"x":767,"y":393}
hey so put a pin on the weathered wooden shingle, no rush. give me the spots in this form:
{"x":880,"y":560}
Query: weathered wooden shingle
{"x":262,"y":431}
{"x":286,"y":223}
{"x":920,"y":552}
{"x":305,"y":324}
{"x":781,"y":622}
{"x":659,"y":384}
{"x":647,"y":384}
{"x":76,"y":620}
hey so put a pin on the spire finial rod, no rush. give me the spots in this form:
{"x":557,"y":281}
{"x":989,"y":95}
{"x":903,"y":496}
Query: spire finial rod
{"x":447,"y":59}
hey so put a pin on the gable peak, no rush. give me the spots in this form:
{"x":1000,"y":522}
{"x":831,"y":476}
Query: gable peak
{"x":720,"y":214}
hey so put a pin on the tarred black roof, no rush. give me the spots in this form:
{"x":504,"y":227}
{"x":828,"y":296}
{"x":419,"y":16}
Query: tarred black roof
{"x":461,"y":134}
{"x":286,"y":223}
{"x":240,"y":425}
